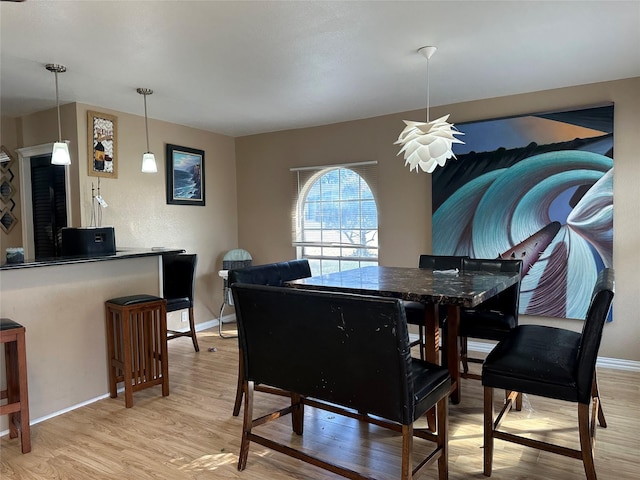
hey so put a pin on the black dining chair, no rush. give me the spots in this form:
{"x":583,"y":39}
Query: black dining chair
{"x":553,"y":363}
{"x":493,"y":319}
{"x":178,"y":285}
{"x":415,"y":311}
{"x":271,"y":274}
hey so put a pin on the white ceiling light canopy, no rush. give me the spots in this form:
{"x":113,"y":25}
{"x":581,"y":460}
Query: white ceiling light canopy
{"x":148,"y":159}
{"x":60,"y":154}
{"x":427,"y":144}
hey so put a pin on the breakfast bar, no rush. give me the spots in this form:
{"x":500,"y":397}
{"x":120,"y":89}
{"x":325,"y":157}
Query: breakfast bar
{"x":60,"y":301}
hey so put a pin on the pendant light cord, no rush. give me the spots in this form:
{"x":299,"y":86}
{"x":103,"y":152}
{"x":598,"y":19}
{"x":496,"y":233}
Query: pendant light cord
{"x":427,"y":90}
{"x":58,"y":106}
{"x":146,"y":123}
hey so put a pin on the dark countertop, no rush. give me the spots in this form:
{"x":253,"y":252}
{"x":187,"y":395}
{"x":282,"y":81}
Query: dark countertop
{"x":121,"y":253}
{"x":465,"y":288}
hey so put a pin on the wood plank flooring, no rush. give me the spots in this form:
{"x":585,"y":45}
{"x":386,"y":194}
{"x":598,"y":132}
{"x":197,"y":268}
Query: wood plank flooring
{"x":191,"y":434}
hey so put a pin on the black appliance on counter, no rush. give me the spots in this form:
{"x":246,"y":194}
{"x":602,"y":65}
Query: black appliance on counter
{"x":88,"y":241}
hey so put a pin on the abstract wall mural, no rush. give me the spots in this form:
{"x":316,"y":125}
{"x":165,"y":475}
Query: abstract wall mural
{"x":537,"y":187}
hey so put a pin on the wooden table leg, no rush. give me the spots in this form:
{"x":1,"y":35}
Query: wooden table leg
{"x":431,"y":333}
{"x":431,"y":346}
{"x":453,"y":350}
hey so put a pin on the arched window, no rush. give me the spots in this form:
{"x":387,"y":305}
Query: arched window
{"x":336,"y":224}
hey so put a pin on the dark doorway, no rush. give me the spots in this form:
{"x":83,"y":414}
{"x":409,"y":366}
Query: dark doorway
{"x":49,"y":205}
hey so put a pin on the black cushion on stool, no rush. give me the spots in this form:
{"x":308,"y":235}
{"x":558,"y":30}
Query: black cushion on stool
{"x":134,"y":299}
{"x":8,"y":324}
{"x":535,"y":359}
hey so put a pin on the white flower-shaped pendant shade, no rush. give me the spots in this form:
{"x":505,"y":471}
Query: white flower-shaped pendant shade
{"x":427,"y":144}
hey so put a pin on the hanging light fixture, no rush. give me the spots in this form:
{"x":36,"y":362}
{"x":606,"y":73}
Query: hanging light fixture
{"x":148,"y":159}
{"x":427,"y":144}
{"x":60,"y":154}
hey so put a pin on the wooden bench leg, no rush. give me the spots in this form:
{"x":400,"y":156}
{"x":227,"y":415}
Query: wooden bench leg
{"x":239,"y":387}
{"x":407,"y":452}
{"x":297,"y":415}
{"x":246,"y":425}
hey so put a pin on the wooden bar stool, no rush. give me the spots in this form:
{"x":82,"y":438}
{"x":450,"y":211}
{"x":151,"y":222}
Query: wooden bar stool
{"x":12,"y":334}
{"x":137,"y":344}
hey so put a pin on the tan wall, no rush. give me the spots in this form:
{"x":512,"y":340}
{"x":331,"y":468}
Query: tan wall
{"x":137,"y":206}
{"x":137,"y":201}
{"x":404,"y":200}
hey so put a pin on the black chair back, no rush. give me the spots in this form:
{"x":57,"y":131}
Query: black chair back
{"x":178,"y":280}
{"x":441,"y":262}
{"x":273,"y":274}
{"x":592,"y":332}
{"x":286,"y":334}
{"x":508,"y":301}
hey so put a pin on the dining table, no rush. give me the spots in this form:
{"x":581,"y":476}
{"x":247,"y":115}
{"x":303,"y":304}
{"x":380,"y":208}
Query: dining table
{"x":452,"y":289}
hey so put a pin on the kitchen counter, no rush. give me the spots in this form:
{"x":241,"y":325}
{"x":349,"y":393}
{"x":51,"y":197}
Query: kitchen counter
{"x":120,"y":254}
{"x":61,"y":304}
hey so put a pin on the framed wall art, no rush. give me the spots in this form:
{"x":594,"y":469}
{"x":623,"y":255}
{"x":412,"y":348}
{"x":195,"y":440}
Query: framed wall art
{"x":102,"y":142}
{"x":536,"y":187}
{"x":185,"y":175}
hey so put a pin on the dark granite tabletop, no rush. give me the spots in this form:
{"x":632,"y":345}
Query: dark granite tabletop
{"x":464,"y":288}
{"x":120,"y":254}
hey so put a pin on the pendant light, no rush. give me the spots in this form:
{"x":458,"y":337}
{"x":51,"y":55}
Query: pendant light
{"x":427,"y":144}
{"x":60,"y":154}
{"x":148,"y":159}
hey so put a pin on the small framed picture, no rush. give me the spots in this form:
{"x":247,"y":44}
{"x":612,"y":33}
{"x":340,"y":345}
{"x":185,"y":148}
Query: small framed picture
{"x":185,"y":175}
{"x":102,"y":142}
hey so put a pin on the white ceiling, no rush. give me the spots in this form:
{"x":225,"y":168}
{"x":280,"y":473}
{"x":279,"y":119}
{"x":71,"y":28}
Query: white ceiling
{"x":245,"y":67}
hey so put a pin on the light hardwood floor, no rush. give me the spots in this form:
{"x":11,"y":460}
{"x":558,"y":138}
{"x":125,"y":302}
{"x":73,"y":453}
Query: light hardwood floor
{"x":191,"y":434}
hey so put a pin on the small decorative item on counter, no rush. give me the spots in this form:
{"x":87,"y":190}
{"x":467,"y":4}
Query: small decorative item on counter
{"x":15,"y":255}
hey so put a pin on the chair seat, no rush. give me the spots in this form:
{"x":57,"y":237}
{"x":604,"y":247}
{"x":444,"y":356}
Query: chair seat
{"x":430,"y":383}
{"x":174,"y":304}
{"x":414,"y":312}
{"x":535,"y":359}
{"x":486,"y":324}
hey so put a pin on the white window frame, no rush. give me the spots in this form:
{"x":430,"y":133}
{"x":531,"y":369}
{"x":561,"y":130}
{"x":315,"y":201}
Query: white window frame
{"x":304,"y":179}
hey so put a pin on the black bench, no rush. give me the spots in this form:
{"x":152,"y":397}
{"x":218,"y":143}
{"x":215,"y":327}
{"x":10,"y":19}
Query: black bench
{"x":348,"y":354}
{"x":274,"y":274}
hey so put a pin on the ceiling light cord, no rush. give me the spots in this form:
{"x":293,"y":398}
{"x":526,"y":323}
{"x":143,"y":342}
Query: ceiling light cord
{"x":58,"y":107}
{"x":146,"y":123}
{"x":427,"y":89}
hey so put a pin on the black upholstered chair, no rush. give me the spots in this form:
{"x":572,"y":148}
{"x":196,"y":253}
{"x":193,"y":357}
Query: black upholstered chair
{"x":415,"y":310}
{"x":178,"y":285}
{"x":553,"y":363}
{"x":272,"y":274}
{"x":344,"y":354}
{"x":493,"y":319}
